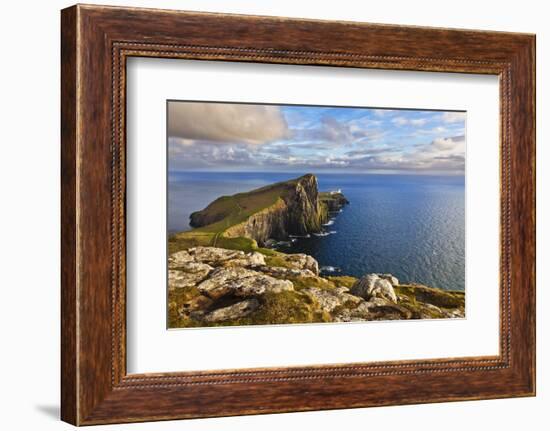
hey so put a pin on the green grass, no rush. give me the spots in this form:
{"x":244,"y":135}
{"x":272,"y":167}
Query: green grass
{"x":229,"y":211}
{"x":304,"y":282}
{"x":278,"y":260}
{"x":194,"y":238}
{"x":286,"y":307}
{"x":275,"y":308}
{"x":342,"y":280}
{"x":176,"y":298}
{"x":430,"y":295}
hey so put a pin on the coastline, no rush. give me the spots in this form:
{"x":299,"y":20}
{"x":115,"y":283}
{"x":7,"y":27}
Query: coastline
{"x":224,"y":273}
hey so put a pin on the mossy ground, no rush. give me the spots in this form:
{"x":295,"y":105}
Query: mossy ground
{"x":275,"y":308}
{"x":342,"y":280}
{"x":430,"y":295}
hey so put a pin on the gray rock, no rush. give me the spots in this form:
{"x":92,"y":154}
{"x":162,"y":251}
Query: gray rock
{"x":371,"y":285}
{"x":179,"y":258}
{"x":235,"y":311}
{"x":391,"y":278}
{"x":384,"y":309}
{"x":341,"y":289}
{"x":359,"y":314}
{"x":252,"y":259}
{"x":189,"y":275}
{"x":279,"y":271}
{"x":214,"y":255}
{"x":328,"y":300}
{"x":301,"y":261}
{"x":454,"y":314}
{"x":241,"y":282}
{"x":432,"y":307}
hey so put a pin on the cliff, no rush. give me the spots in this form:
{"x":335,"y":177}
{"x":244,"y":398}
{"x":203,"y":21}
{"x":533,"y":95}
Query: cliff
{"x":293,"y":207}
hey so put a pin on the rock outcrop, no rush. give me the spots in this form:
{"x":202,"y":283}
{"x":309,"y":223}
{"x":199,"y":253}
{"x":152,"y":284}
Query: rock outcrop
{"x":210,"y":286}
{"x":373,"y":286}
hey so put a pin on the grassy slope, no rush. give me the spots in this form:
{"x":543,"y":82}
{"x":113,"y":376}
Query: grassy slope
{"x":235,"y":209}
{"x":229,"y":211}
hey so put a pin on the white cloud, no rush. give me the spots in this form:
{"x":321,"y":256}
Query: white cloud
{"x":402,"y":121}
{"x":226,"y":122}
{"x":453,"y":117}
{"x":381,"y":112}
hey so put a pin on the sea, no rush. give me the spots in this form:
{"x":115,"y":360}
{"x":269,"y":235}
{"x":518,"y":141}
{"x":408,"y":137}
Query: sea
{"x":412,"y":226}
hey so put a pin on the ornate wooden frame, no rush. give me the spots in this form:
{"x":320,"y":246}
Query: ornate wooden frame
{"x":95,"y":42}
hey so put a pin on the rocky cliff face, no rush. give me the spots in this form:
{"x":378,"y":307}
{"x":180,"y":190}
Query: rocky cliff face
{"x":271,"y":222}
{"x":297,"y":209}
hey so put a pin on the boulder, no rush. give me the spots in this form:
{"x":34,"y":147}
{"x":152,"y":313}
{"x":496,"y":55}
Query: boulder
{"x":214,"y":255}
{"x":231,"y":312}
{"x":241,"y":282}
{"x":301,"y":261}
{"x":252,"y":259}
{"x":359,"y":314}
{"x":280,"y":272}
{"x":188,"y":275}
{"x":372,"y":286}
{"x":391,"y":278}
{"x":328,"y":300}
{"x":179,"y":258}
{"x":383,"y":309}
{"x":342,"y":289}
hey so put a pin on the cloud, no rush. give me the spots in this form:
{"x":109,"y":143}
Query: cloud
{"x":455,"y":143}
{"x":381,"y":112}
{"x":226,"y":122}
{"x":453,"y":117}
{"x":257,"y":137}
{"x":208,"y":154}
{"x":403,"y":121}
{"x":329,"y":132}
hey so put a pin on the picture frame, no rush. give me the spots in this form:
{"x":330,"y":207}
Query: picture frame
{"x":96,"y":42}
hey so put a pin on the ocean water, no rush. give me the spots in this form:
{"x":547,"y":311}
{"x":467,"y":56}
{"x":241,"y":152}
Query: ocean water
{"x":411,"y":226}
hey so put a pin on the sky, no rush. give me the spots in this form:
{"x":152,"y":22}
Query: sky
{"x":292,"y":138}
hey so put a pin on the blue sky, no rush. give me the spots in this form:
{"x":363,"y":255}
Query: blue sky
{"x":233,"y":137}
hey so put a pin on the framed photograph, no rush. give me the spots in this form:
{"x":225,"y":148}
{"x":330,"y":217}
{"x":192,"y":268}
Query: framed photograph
{"x":322,"y":214}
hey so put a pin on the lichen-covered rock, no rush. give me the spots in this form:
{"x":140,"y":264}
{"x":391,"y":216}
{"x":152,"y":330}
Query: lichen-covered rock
{"x":383,"y":309}
{"x":188,"y":275}
{"x":241,"y":282}
{"x":328,"y":300}
{"x":342,"y":289}
{"x":252,"y":259}
{"x":300,"y":261}
{"x":280,"y":272}
{"x":391,"y":278}
{"x":454,"y":313}
{"x":231,"y":312}
{"x":372,"y":286}
{"x":179,"y":258}
{"x":214,"y":255}
{"x":358,"y":314}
